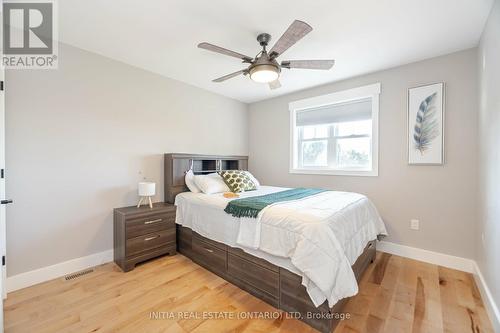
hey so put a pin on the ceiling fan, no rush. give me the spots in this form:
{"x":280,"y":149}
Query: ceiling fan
{"x":264,"y":67}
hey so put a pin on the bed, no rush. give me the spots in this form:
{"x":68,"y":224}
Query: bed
{"x":304,"y":256}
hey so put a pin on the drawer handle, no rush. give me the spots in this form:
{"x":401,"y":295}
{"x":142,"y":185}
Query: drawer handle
{"x":208,"y":250}
{"x":151,"y":238}
{"x":153,"y":221}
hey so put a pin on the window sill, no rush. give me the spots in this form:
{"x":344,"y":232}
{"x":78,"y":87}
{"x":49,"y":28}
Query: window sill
{"x":357,"y":173}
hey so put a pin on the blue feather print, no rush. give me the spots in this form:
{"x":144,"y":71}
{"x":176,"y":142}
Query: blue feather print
{"x":426,"y":125}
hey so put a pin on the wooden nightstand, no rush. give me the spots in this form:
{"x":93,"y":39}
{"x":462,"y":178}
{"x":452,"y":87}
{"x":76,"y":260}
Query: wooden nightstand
{"x":143,"y":233}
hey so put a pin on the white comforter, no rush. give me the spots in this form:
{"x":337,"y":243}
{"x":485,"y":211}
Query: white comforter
{"x":323,"y":235}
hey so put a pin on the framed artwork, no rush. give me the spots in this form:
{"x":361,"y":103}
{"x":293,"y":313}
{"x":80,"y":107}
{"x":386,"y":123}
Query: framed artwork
{"x":426,"y":125}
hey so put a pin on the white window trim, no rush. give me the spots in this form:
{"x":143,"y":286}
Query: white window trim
{"x":372,"y":91}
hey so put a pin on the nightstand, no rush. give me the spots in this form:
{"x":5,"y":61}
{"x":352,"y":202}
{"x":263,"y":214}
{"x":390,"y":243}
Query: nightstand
{"x":143,"y":233}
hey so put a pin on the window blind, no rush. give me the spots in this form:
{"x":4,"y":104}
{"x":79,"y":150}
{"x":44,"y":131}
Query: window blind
{"x":342,"y":112}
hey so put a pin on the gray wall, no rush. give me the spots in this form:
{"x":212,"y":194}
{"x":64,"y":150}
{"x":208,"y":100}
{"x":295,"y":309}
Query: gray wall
{"x":92,"y":129}
{"x":443,"y":198}
{"x":80,"y":138}
{"x":489,"y":159}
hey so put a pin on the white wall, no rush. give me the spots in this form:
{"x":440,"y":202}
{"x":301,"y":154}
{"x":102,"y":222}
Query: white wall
{"x":488,"y":239}
{"x":80,"y":138}
{"x":442,"y":197}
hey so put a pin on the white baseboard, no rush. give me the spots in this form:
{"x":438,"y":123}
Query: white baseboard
{"x":491,"y":306}
{"x":43,"y":274}
{"x":436,"y":258}
{"x":445,"y":260}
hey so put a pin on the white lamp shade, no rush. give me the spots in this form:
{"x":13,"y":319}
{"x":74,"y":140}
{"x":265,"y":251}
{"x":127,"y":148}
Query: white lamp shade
{"x":264,"y":73}
{"x":147,"y":189}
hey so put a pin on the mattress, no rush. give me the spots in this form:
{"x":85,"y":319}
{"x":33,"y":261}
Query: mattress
{"x":318,"y":237}
{"x":204,"y":213}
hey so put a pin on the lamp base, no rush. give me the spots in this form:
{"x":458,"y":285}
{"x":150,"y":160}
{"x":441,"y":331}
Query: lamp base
{"x":144,"y":198}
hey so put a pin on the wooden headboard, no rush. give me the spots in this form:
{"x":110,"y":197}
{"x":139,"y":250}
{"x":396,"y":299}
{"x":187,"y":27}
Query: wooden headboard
{"x":176,"y":166}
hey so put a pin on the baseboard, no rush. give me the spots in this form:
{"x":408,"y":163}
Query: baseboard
{"x":43,"y":274}
{"x":436,"y":258}
{"x":491,"y":306}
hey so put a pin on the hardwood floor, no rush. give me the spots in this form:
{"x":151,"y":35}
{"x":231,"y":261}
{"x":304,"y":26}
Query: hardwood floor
{"x":396,"y":295}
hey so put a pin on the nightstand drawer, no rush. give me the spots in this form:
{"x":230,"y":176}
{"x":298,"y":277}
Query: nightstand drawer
{"x":150,"y":241}
{"x":150,"y":224}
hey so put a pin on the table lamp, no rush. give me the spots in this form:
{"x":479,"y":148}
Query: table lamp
{"x":146,"y":190}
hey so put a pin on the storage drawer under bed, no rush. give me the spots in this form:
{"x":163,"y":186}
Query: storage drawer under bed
{"x":256,"y":276}
{"x":207,"y":254}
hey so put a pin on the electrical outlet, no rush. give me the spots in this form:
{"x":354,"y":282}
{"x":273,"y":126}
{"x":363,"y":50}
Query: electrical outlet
{"x":414,"y":224}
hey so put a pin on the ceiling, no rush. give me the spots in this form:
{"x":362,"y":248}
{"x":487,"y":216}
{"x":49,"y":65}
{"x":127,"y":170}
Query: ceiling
{"x":361,"y":35}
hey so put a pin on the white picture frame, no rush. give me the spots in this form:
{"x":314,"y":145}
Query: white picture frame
{"x":425,"y":124}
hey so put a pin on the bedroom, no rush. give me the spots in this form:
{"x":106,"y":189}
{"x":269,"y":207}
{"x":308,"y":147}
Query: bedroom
{"x":368,"y":199}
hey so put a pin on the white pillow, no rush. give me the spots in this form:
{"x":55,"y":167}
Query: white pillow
{"x":211,"y":183}
{"x":253,"y":179}
{"x":189,"y":179}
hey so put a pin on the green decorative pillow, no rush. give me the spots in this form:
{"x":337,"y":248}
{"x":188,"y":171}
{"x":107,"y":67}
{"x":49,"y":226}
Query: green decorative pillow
{"x":237,"y":181}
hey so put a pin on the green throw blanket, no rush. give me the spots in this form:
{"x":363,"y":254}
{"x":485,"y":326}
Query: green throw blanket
{"x":251,"y":207}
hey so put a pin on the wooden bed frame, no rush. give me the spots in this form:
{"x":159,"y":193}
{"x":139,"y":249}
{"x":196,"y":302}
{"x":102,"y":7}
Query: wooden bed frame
{"x":270,"y":283}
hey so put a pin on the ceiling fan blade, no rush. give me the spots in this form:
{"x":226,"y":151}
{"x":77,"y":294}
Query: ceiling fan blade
{"x":218,"y":49}
{"x":275,"y":84}
{"x":292,"y":35}
{"x":229,"y":76}
{"x":308,"y":64}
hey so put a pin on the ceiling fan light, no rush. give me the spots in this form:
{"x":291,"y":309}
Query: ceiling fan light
{"x":264,"y":73}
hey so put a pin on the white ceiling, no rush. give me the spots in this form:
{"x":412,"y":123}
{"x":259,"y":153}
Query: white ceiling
{"x":361,"y":35}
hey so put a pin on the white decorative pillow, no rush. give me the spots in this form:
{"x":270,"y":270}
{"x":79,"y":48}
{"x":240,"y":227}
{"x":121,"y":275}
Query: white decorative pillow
{"x":254,"y":180}
{"x":210,"y":184}
{"x":189,"y":179}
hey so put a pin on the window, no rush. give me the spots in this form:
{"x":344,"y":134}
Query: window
{"x":337,"y":133}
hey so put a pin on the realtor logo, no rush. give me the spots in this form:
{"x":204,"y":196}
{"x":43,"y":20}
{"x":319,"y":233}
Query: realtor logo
{"x":29,"y":39}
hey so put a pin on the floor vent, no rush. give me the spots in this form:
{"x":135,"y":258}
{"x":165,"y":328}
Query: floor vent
{"x":78,"y":274}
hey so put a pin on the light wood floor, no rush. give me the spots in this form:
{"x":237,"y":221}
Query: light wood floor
{"x":396,"y":295}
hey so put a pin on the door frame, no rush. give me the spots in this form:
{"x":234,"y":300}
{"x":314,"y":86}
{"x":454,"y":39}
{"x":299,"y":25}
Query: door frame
{"x":3,"y":208}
